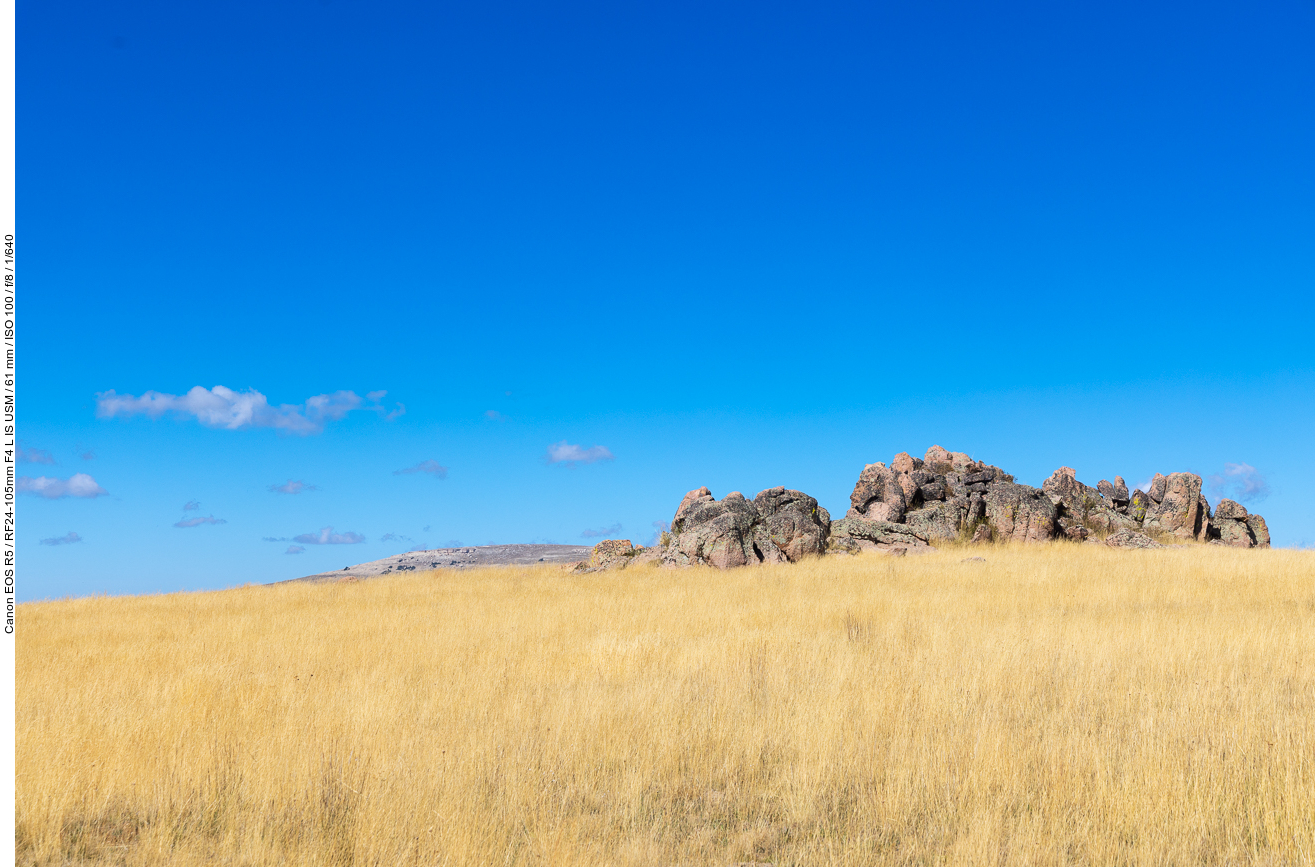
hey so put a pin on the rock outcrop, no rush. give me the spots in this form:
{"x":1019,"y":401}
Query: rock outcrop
{"x":777,"y":526}
{"x":912,"y":504}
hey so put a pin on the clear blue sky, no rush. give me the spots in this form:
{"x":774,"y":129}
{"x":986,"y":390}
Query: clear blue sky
{"x":737,"y":244}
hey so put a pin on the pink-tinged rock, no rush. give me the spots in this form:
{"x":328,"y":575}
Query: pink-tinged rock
{"x":878,"y":483}
{"x":908,"y":486}
{"x":1020,"y":513}
{"x":1231,"y":510}
{"x":1179,"y":511}
{"x":905,"y":463}
{"x":937,"y":460}
{"x":690,"y":502}
{"x":1157,"y":488}
{"x":881,"y":512}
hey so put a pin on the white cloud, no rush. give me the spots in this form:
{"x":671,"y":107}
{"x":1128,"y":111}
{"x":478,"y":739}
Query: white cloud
{"x":34,"y":456}
{"x":1240,"y":482}
{"x":375,"y":397}
{"x":67,"y":539}
{"x":326,"y":536}
{"x":294,"y":549}
{"x":291,"y":487}
{"x":222,"y":407}
{"x":432,"y":467}
{"x":602,"y":532}
{"x":191,"y":505}
{"x":570,"y":455}
{"x":77,"y":485}
{"x":196,"y":522}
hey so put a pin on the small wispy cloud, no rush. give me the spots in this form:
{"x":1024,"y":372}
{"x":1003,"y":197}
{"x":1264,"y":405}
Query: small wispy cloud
{"x":1240,"y":482}
{"x":33,"y":456}
{"x":191,"y":505}
{"x":77,"y":485}
{"x":396,"y":537}
{"x":376,"y":398}
{"x":88,"y":455}
{"x":431,"y":467}
{"x":68,"y":538}
{"x":292,"y":487}
{"x":198,"y":521}
{"x":294,"y":549}
{"x":326,"y":536}
{"x":221,"y":407}
{"x":571,"y":455}
{"x":601,"y":532}
{"x":273,"y":538}
{"x":494,"y":415}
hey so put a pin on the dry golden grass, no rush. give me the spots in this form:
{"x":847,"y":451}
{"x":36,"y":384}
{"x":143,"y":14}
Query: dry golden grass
{"x":1056,"y":705}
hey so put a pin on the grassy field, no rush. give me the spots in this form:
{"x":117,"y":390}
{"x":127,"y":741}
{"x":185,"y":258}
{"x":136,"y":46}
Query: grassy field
{"x":1056,"y":705}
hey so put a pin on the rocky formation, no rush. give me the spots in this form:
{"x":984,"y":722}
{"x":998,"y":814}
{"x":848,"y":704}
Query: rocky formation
{"x":911,"y":504}
{"x":777,"y":526}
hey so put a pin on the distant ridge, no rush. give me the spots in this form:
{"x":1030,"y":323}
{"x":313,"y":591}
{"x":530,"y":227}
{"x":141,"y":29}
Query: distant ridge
{"x":456,"y":558}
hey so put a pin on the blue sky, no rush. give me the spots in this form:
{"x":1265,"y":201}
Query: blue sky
{"x":737,"y":245}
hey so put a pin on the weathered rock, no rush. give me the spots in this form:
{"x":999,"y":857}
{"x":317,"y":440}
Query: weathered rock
{"x":1259,"y":530}
{"x":1106,"y":489}
{"x":1178,"y":511}
{"x":780,"y":525}
{"x":1138,"y":503}
{"x":881,"y":534}
{"x":1157,"y":489}
{"x":905,"y":463}
{"x":931,"y":491}
{"x":1131,"y":539}
{"x":1072,"y":528}
{"x":1019,"y":513}
{"x":1120,"y":491}
{"x":878,"y":484}
{"x":982,"y":534}
{"x":1231,"y":510}
{"x":796,"y":525}
{"x":910,"y":489}
{"x":1235,"y":534}
{"x":1203,"y":531}
{"x":937,"y":521}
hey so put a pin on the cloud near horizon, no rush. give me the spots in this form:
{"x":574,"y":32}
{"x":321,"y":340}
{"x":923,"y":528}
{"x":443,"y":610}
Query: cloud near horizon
{"x":292,"y":487}
{"x":78,"y":485}
{"x":602,"y":531}
{"x":1240,"y":482}
{"x":34,"y":456}
{"x":294,"y":549}
{"x":197,"y":522}
{"x":570,"y":455}
{"x":432,"y":467}
{"x":221,"y":407}
{"x":68,"y":538}
{"x":326,"y":536}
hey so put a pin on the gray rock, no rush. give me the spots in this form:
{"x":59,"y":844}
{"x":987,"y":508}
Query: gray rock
{"x":1235,"y":534}
{"x":931,"y":491}
{"x":982,"y":534}
{"x":1019,"y":513}
{"x":795,"y":524}
{"x":1259,"y":530}
{"x":1131,"y":539}
{"x":937,"y":521}
{"x":1072,"y":528}
{"x":1178,"y":511}
{"x":1120,"y":491}
{"x":879,"y":533}
{"x":1106,"y":489}
{"x":1138,"y":503}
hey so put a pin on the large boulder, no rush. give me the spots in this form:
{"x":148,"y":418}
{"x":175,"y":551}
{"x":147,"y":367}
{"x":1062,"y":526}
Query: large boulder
{"x":1231,"y":510}
{"x":1083,"y":510}
{"x":1138,"y":503}
{"x":1131,"y":539}
{"x":1019,"y":513}
{"x":879,"y":535}
{"x":1236,"y":534}
{"x":878,"y":495}
{"x":938,"y":521}
{"x":795,"y":523}
{"x":1177,"y":512}
{"x":1259,"y":530}
{"x":778,"y":526}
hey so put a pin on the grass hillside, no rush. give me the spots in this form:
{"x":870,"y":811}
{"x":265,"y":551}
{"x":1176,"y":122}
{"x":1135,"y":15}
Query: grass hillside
{"x":1060,"y":704}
